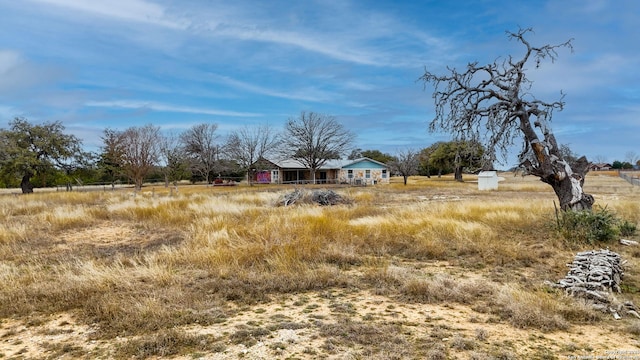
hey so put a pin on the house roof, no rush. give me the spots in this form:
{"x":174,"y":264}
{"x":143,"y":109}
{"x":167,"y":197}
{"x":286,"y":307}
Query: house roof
{"x":601,"y":165}
{"x":354,"y":163}
{"x":295,"y":164}
{"x":329,"y":165}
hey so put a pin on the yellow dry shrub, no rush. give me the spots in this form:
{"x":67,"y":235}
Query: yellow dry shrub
{"x":67,"y":217}
{"x":13,"y":232}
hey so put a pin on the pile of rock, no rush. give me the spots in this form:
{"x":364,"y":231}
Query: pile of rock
{"x":594,"y":275}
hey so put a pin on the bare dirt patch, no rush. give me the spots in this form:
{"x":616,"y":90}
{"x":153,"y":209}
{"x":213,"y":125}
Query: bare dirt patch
{"x":107,"y":239}
{"x":333,"y":324}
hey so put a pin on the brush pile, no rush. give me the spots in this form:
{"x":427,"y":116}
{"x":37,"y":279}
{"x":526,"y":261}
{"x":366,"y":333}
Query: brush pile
{"x":327,"y":197}
{"x":594,"y":275}
{"x":291,"y":198}
{"x":321,"y":197}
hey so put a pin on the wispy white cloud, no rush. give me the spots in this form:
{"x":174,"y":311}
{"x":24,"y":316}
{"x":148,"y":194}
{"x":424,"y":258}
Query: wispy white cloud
{"x":358,"y":85}
{"x":339,"y":31}
{"x":8,"y":61}
{"x":307,"y":94}
{"x":126,"y":10}
{"x":159,"y":107}
{"x":353,"y":35}
{"x":316,"y":43}
{"x":17,"y":73}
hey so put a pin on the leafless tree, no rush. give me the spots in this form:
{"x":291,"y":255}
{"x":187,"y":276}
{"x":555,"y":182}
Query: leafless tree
{"x":631,"y":157}
{"x":406,"y":163}
{"x":140,"y":150}
{"x":200,"y":143}
{"x":600,"y":159}
{"x":248,"y":144}
{"x":173,"y":158}
{"x":315,"y":138}
{"x":492,"y":104}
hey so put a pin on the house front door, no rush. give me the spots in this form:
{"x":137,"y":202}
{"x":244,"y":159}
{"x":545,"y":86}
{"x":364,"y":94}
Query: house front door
{"x":323,"y":177}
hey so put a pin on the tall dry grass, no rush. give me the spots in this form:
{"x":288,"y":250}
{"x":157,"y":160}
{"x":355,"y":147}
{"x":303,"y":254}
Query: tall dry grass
{"x":189,"y":254}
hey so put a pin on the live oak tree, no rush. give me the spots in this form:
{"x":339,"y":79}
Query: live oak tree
{"x":376,"y":155}
{"x":313,"y":139}
{"x":454,"y":156}
{"x":492,"y":104}
{"x":27,"y":150}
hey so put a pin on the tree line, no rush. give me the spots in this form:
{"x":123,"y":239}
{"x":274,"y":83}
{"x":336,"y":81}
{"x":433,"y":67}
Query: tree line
{"x":41,"y":155}
{"x":631,"y":161}
{"x":44,"y":155}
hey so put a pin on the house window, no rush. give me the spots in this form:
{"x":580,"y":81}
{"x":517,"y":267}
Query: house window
{"x":384,"y":173}
{"x":367,"y":174}
{"x":274,"y":176}
{"x":350,"y":174}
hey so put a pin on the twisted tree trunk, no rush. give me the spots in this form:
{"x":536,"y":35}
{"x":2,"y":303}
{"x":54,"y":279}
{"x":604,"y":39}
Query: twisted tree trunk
{"x":552,"y":169}
{"x":568,"y":187}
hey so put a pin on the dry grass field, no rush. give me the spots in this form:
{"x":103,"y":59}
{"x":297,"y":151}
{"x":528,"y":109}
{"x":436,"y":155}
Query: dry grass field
{"x":432,"y":270}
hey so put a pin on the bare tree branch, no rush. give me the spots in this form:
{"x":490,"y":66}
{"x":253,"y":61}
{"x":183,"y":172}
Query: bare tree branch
{"x":139,"y":150}
{"x":314,"y":138}
{"x":248,"y":144}
{"x":200,"y":143}
{"x":491,"y":104}
{"x":406,"y":163}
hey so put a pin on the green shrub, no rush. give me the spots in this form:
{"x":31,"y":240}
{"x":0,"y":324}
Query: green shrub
{"x":598,"y":225}
{"x":627,"y":228}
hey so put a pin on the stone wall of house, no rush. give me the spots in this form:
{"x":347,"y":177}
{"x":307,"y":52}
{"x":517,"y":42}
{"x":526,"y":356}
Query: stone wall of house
{"x":360,"y":174}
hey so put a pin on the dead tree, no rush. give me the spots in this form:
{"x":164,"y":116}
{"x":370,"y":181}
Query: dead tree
{"x":492,"y":104}
{"x":406,"y":163}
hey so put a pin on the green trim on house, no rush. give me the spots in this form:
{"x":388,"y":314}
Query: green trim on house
{"x":365,"y":164}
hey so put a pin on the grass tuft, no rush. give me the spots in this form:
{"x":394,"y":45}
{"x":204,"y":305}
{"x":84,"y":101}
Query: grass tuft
{"x":165,"y":344}
{"x":527,"y":310}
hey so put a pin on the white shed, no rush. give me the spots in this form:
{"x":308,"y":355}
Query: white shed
{"x":488,"y":180}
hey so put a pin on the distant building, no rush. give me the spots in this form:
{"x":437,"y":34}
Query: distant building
{"x":363,"y":171}
{"x":488,"y":180}
{"x":600,"y":167}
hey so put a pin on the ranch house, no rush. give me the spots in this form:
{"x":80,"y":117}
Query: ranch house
{"x":363,"y":171}
{"x":600,"y":167}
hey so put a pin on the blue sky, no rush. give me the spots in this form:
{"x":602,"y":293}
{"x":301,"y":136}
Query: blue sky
{"x":93,"y":64}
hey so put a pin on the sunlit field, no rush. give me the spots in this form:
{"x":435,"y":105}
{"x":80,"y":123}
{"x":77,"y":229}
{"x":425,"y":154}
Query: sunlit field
{"x":432,"y":270}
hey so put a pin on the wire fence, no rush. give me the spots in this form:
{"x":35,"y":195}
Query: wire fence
{"x":217,"y":182}
{"x":633,"y":177}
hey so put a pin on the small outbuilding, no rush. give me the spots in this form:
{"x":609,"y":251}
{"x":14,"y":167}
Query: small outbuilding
{"x":488,"y":180}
